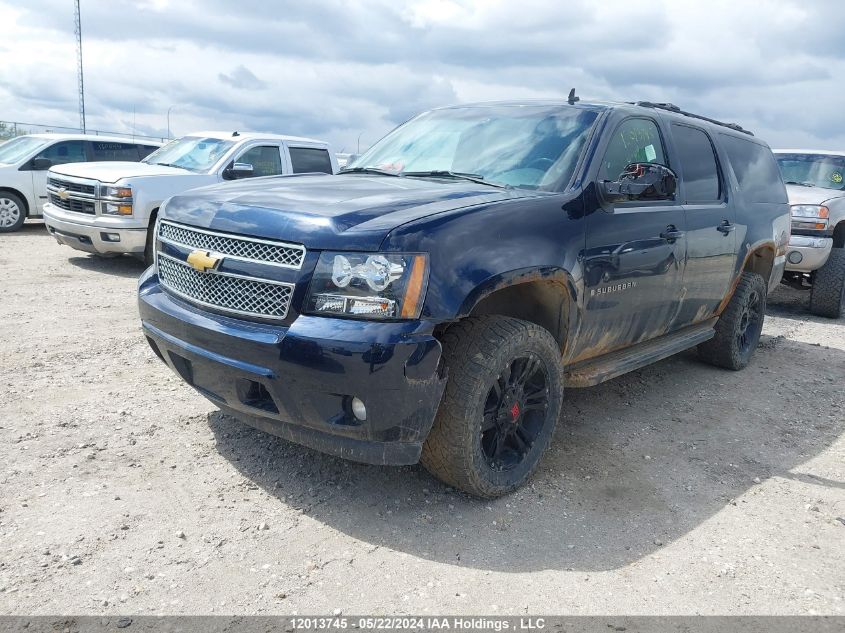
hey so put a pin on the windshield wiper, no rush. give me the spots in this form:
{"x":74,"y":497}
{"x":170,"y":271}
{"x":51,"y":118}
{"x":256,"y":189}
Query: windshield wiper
{"x":445,"y":173}
{"x":368,"y":170}
{"x":802,"y":184}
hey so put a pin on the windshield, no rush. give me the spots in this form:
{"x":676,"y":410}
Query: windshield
{"x":534,"y":147}
{"x":814,"y":170}
{"x":14,"y":151}
{"x":190,"y":152}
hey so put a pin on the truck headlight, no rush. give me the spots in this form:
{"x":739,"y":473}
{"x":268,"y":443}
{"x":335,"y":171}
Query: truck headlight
{"x":117,"y":208}
{"x":107,"y":191}
{"x":369,"y":285}
{"x":809,"y":216}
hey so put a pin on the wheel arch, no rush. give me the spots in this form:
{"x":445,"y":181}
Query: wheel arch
{"x":839,"y":234}
{"x":544,"y":296}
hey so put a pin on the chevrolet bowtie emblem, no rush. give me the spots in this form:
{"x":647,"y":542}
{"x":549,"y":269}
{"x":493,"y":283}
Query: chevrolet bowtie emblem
{"x":203,"y":261}
{"x":63,"y":194}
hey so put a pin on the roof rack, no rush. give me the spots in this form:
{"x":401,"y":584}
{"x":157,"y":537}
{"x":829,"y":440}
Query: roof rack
{"x":671,"y":107}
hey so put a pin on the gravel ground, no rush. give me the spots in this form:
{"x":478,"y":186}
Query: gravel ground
{"x":676,"y":489}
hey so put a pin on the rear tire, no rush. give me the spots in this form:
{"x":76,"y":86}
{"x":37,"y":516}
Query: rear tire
{"x":502,"y":401}
{"x":738,"y":328}
{"x":12,"y":212}
{"x":828,"y":294}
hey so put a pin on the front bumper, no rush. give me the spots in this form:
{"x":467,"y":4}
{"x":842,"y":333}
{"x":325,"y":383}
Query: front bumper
{"x":806,"y":254}
{"x":298,"y":381}
{"x":94,"y":233}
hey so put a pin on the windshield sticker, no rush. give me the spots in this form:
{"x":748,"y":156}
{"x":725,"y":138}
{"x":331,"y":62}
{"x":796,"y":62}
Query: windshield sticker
{"x":836,"y":177}
{"x":650,"y":154}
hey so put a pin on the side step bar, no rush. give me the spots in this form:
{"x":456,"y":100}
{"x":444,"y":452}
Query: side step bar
{"x":596,"y":370}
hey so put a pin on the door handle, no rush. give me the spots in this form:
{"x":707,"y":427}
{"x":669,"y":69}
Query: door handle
{"x":725,"y":227}
{"x":672,"y":233}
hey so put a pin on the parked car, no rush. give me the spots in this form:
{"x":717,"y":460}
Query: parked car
{"x":24,"y":162}
{"x":109,"y":208}
{"x":815,"y":183}
{"x":431,"y":302}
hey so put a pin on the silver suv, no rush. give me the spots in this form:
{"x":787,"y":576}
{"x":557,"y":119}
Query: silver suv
{"x":815,"y":183}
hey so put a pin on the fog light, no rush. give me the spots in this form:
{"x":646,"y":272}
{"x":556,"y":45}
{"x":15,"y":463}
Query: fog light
{"x":795,"y":257}
{"x":110,"y":237}
{"x":358,"y":409}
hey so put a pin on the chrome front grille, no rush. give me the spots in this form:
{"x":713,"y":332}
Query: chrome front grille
{"x":223,"y":291}
{"x":246,"y":248}
{"x":72,"y":186}
{"x":73,"y":204}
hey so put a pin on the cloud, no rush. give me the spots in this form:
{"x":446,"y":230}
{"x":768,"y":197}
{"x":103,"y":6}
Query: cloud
{"x":343,"y":71}
{"x":242,"y":77}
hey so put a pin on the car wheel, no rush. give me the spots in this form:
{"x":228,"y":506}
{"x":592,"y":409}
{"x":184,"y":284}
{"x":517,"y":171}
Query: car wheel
{"x":12,"y":212}
{"x":738,"y":328}
{"x":502,"y":401}
{"x":828,"y":294}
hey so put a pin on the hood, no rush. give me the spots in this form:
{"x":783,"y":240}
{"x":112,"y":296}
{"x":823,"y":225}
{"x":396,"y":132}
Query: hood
{"x":344,"y":212}
{"x":811,"y":195}
{"x":115,"y":170}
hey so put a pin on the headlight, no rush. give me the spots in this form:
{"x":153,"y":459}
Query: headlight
{"x":369,"y":285}
{"x":107,"y":191}
{"x":112,"y":208}
{"x":809,"y":216}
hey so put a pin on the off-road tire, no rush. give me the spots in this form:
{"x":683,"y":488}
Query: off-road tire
{"x":828,"y":294}
{"x":9,"y":202}
{"x":727,"y":348}
{"x":475,"y":352}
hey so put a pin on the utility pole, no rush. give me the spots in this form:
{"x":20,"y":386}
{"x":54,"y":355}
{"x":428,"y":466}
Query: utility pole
{"x":77,"y":29}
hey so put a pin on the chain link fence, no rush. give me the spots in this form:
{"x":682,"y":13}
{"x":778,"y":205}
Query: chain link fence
{"x":11,"y":129}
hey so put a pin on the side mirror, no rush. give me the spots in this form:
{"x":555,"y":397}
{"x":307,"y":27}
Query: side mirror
{"x":238,"y":170}
{"x":641,"y":181}
{"x":40,"y":163}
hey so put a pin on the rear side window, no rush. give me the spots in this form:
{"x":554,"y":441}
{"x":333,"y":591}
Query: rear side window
{"x":698,"y":164}
{"x":104,"y":150}
{"x":146,"y":150}
{"x":310,"y":159}
{"x":755,"y":169}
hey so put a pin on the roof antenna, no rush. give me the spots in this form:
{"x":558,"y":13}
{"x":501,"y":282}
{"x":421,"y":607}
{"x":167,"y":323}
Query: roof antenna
{"x":572,"y":98}
{"x":236,"y":133}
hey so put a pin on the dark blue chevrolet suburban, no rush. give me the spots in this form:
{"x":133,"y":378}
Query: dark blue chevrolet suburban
{"x":431,"y":302}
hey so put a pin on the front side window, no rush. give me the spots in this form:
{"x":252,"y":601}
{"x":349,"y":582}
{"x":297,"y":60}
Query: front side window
{"x":526,"y":146}
{"x":698,"y":164}
{"x":105,"y":150}
{"x":634,"y":141}
{"x":755,"y":169}
{"x":265,"y":160}
{"x":813,"y":170}
{"x":306,"y":160}
{"x":14,"y":151}
{"x":191,"y":152}
{"x":65,"y":152}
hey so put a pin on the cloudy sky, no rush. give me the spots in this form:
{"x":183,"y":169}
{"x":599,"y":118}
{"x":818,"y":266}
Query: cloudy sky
{"x":343,"y":70}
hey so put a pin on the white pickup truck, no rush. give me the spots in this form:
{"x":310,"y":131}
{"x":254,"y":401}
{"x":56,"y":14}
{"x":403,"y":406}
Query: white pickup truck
{"x":24,"y":162}
{"x":110,"y":208}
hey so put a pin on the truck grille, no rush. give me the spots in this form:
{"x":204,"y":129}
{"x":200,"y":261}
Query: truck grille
{"x":263,"y":251}
{"x":73,"y":204}
{"x":225,"y":292}
{"x":71,"y":186}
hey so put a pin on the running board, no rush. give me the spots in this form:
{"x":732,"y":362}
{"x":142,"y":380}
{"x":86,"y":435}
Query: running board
{"x":596,"y":370}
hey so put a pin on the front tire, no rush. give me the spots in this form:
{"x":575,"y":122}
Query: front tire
{"x":738,"y":328}
{"x":502,"y":401}
{"x":12,"y":212}
{"x":828,"y":294}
